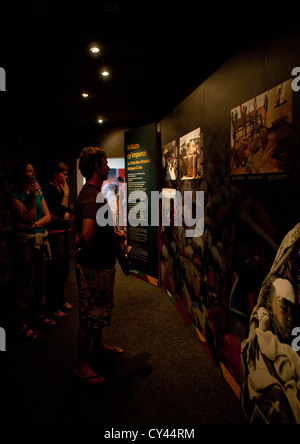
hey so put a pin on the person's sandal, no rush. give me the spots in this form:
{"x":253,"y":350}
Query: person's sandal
{"x":44,"y":320}
{"x":28,"y":333}
{"x":59,"y":314}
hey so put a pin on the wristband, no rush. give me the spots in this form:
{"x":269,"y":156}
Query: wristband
{"x":66,"y":195}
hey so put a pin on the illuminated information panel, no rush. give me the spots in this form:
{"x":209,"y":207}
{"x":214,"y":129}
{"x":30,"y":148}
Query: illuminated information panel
{"x":141,"y":174}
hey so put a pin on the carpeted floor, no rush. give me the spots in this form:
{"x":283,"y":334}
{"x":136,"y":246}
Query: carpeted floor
{"x":164,"y":377}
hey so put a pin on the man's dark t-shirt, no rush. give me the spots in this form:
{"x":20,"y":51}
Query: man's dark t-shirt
{"x":100,"y":254}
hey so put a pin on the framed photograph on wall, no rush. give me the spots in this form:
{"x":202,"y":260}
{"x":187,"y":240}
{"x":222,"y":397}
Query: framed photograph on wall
{"x":261,"y":131}
{"x":191,"y":155}
{"x":170,"y":161}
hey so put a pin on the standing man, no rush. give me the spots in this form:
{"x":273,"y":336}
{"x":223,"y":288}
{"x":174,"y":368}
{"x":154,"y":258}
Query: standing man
{"x":95,"y":268}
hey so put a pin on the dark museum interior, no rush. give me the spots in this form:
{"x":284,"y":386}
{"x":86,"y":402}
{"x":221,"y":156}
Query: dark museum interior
{"x":184,"y":97}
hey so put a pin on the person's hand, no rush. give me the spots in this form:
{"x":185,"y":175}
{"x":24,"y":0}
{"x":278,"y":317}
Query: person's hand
{"x":24,"y":227}
{"x":65,"y":188}
{"x":121,"y":235}
{"x":68,"y":217}
{"x":35,"y":186}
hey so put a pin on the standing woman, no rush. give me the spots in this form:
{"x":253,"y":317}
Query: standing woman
{"x":29,"y":247}
{"x":56,"y":192}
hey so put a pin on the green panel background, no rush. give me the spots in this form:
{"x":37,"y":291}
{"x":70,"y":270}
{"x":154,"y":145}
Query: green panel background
{"x":146,"y":138}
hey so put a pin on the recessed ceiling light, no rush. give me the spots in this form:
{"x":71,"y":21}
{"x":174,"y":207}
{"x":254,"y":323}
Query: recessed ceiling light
{"x":105,"y":73}
{"x":94,"y":49}
{"x":84,"y":94}
{"x":110,"y":7}
{"x":100,"y":121}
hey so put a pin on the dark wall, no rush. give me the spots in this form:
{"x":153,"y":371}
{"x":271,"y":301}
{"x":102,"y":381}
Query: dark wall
{"x":240,"y":79}
{"x":231,"y":251}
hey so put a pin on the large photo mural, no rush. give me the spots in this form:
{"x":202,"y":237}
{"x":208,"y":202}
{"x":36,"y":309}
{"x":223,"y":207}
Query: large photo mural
{"x":237,"y":284}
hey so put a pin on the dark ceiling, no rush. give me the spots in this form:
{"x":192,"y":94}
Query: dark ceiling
{"x":157,"y":53}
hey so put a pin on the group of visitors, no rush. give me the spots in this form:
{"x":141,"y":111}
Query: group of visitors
{"x":39,"y":245}
{"x":39,"y":252}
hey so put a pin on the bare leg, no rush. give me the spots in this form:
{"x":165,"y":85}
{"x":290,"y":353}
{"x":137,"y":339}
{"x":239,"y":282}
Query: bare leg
{"x":97,"y":341}
{"x":83,"y":368}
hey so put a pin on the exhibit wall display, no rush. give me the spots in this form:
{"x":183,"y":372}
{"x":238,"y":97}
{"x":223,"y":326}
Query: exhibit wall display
{"x":261,"y":131}
{"x":170,"y":161}
{"x":141,"y":175}
{"x":237,"y":285}
{"x":191,"y":155}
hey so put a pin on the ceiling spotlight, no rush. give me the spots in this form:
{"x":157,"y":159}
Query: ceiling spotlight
{"x":100,"y":120}
{"x":105,"y":73}
{"x":110,"y":7}
{"x":94,"y":49}
{"x":84,"y":94}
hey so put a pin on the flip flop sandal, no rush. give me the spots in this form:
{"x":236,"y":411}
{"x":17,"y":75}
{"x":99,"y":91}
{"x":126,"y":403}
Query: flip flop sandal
{"x":47,"y":321}
{"x":28,"y":333}
{"x":111,"y":351}
{"x":88,"y":379}
{"x":59,"y":314}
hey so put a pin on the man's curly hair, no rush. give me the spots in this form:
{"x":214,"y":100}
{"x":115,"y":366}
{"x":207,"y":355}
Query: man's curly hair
{"x":89,"y":158}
